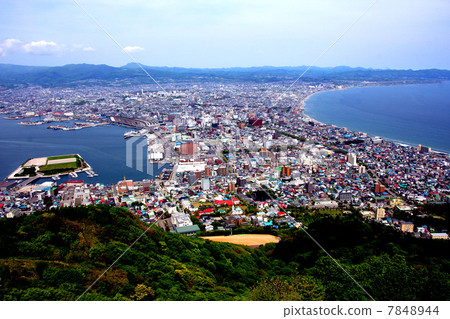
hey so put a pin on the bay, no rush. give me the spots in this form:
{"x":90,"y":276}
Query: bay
{"x":409,"y":114}
{"x":103,"y":147}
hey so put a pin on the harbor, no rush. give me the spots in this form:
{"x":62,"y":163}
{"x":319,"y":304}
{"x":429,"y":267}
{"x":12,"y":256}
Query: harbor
{"x":99,"y":145}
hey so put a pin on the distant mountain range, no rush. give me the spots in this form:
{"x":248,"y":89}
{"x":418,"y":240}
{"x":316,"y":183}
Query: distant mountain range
{"x":89,"y":74}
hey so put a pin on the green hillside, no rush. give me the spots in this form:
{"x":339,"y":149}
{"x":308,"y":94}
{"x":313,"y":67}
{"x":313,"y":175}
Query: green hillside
{"x":56,"y":255}
{"x":130,"y":74}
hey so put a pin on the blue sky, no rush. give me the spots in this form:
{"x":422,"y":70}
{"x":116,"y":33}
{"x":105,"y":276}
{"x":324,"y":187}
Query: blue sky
{"x":395,"y":34}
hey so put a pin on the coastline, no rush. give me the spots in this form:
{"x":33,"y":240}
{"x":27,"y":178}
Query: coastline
{"x":305,"y":100}
{"x":97,"y":145}
{"x":306,"y":117}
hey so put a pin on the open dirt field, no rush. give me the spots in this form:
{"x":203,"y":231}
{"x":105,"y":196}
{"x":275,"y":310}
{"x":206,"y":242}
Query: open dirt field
{"x":38,"y":161}
{"x":245,"y":239}
{"x":61,"y":161}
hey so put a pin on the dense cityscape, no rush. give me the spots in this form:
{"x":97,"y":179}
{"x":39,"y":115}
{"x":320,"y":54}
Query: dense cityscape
{"x":292,"y":153}
{"x":236,"y":156}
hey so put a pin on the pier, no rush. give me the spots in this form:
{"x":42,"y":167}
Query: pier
{"x":28,"y":181}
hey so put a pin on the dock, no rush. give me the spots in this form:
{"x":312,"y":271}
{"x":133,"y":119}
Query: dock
{"x":28,"y":181}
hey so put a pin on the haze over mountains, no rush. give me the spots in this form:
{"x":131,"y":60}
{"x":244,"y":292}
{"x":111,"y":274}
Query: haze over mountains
{"x":75,"y":74}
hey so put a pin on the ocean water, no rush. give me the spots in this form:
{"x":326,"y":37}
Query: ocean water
{"x":102,"y":147}
{"x":409,"y":114}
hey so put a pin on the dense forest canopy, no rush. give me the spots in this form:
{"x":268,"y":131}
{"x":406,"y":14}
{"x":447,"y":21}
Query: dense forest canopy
{"x":58,"y":254}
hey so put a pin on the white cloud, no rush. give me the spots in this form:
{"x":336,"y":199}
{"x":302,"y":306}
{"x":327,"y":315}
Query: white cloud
{"x":88,"y":49}
{"x":82,"y":47}
{"x":41,"y":47}
{"x":133,"y":49}
{"x":10,"y":46}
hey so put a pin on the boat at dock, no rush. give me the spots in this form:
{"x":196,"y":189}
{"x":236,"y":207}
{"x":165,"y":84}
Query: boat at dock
{"x":56,"y":177}
{"x":73,"y":174}
{"x":91,"y":173}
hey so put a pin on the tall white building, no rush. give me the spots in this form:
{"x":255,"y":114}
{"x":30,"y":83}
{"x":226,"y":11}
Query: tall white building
{"x":362,"y":170}
{"x":205,"y":184}
{"x":351,"y":159}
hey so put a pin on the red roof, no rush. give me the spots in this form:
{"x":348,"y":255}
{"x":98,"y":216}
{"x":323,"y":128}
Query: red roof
{"x":229,"y":202}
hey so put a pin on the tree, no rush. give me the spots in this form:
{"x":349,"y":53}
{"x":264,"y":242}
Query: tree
{"x":390,"y":278}
{"x":338,"y":285}
{"x":143,"y":292}
{"x":297,"y":288}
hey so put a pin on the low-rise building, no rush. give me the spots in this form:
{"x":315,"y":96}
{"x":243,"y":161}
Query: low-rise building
{"x":439,"y":235}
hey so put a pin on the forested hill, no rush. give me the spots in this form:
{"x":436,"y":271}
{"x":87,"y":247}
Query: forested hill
{"x":132,"y":74}
{"x":56,"y":255}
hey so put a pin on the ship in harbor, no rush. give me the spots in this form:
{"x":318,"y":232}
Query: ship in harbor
{"x":31,"y":123}
{"x":58,"y":127}
{"x":134,"y":133}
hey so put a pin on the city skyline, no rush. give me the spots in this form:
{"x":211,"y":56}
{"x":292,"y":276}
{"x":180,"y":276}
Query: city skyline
{"x":201,"y":34}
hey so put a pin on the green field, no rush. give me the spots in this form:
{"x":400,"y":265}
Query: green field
{"x":59,"y":167}
{"x":51,"y":158}
{"x":51,"y":169}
